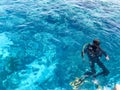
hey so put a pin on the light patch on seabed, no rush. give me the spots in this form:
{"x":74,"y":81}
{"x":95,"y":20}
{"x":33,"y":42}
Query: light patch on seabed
{"x":4,"y":44}
{"x":42,"y":74}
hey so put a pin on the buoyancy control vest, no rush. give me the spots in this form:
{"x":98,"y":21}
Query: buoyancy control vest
{"x":93,"y":51}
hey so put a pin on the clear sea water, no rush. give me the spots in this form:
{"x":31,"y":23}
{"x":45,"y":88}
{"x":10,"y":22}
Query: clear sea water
{"x":41,"y":42}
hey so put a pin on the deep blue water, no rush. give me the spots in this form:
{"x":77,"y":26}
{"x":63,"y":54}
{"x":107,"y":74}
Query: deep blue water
{"x":41,"y":42}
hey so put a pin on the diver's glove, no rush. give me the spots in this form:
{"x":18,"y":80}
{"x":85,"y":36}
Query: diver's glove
{"x":107,"y":57}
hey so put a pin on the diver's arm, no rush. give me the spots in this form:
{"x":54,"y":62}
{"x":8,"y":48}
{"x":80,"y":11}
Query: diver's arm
{"x":82,"y":55}
{"x":83,"y":50}
{"x":105,"y":54}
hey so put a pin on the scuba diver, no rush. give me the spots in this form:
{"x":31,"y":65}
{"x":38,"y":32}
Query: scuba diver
{"x":94,"y":52}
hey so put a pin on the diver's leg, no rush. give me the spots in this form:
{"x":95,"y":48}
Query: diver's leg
{"x":92,"y":66}
{"x":101,"y":65}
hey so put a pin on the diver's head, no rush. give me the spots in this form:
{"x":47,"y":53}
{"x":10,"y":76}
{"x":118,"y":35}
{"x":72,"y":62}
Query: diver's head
{"x":96,"y":42}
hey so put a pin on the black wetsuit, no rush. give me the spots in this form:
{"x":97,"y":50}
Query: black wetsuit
{"x":94,"y":53}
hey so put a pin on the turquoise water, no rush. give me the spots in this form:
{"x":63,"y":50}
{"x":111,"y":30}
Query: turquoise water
{"x":41,"y":42}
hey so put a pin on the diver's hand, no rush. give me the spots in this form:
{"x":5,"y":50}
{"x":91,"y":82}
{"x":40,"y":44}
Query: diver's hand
{"x":107,"y":57}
